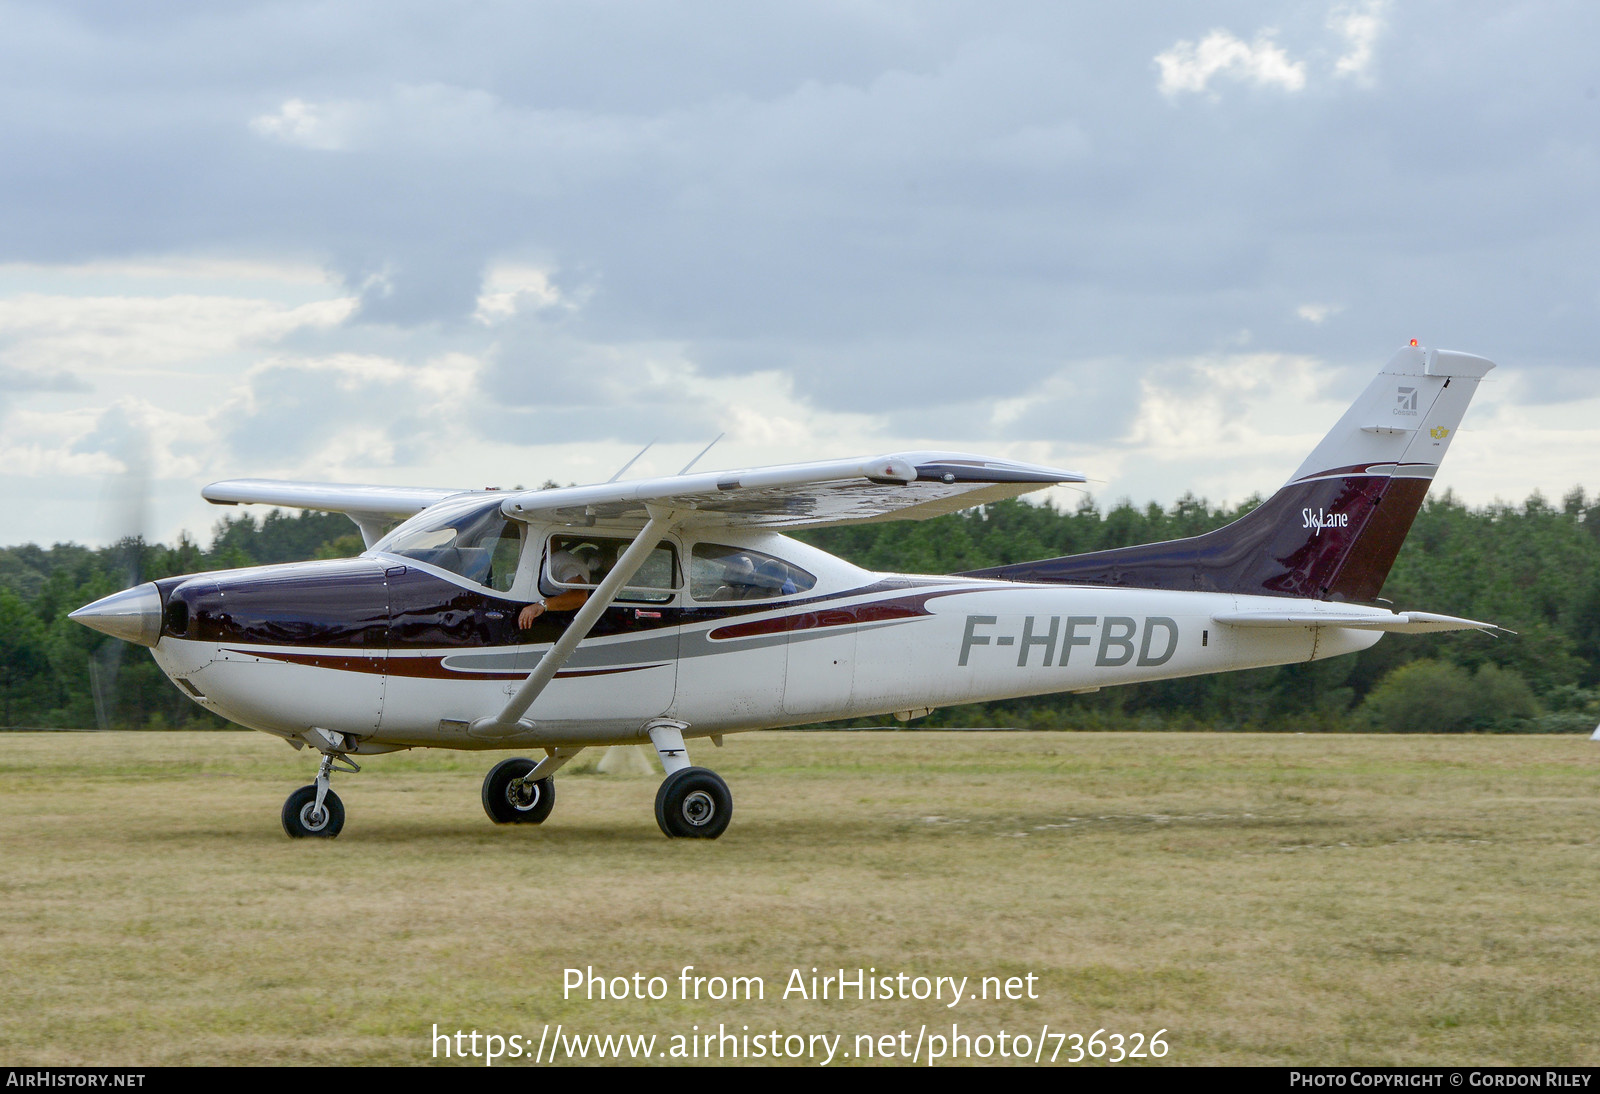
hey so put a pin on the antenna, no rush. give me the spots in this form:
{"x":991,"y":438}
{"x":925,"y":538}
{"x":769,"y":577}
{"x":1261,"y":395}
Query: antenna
{"x":624,"y":468}
{"x":703,"y":451}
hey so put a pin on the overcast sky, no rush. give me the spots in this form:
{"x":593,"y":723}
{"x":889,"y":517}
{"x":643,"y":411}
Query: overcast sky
{"x":477,"y":243}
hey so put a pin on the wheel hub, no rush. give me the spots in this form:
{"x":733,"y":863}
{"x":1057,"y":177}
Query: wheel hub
{"x":522,"y":794}
{"x":699,"y":808}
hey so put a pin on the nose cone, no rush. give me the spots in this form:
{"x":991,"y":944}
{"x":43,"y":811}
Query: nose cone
{"x":133,"y":614}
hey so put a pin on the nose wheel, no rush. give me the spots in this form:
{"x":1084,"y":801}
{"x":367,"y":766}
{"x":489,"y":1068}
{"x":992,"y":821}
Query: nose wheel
{"x":301,"y":816}
{"x":316,"y":810}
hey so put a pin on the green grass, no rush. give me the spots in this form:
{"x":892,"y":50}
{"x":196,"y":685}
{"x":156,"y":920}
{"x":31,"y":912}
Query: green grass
{"x":1265,"y":899}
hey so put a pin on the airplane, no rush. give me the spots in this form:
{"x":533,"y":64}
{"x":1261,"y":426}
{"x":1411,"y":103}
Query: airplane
{"x":669,"y":609}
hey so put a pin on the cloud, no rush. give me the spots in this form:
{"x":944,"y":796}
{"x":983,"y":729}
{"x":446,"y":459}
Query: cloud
{"x":45,"y":333}
{"x":1318,"y":313}
{"x":834,"y":228}
{"x":14,"y":380}
{"x":1360,"y":24}
{"x":313,"y":415}
{"x":1190,"y":66}
{"x":325,"y":128}
{"x":512,"y":287}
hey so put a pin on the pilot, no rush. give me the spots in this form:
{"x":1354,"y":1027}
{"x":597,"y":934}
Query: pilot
{"x":569,"y":569}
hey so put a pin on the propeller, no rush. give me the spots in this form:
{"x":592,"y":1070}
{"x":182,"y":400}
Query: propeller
{"x":129,"y":510}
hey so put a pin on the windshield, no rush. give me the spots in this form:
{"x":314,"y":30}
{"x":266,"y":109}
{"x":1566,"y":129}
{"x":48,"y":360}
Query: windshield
{"x":477,"y":542}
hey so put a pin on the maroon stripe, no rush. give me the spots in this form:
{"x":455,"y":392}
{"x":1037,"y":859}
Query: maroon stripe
{"x":905,"y":607}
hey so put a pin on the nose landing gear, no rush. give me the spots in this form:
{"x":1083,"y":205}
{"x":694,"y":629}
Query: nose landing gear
{"x":316,"y":810}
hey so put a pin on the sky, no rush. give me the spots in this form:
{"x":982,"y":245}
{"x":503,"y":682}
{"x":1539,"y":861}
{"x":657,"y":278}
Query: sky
{"x":471,"y":244}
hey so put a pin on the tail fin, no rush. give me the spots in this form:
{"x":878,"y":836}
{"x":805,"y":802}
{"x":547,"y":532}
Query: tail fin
{"x":1332,"y":532}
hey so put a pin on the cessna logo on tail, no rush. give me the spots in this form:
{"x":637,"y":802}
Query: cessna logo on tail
{"x":1406,"y":401}
{"x":1321,"y":518}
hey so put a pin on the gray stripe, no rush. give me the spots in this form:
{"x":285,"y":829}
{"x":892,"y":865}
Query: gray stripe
{"x":654,"y":647}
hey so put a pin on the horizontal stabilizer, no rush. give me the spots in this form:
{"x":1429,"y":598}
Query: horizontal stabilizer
{"x":1397,"y":622}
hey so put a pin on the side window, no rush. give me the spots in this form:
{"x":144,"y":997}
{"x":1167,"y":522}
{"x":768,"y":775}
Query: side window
{"x":719,"y":573}
{"x":582,"y":562}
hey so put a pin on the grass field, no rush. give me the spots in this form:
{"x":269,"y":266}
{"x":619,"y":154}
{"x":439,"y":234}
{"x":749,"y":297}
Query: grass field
{"x":1264,"y":899}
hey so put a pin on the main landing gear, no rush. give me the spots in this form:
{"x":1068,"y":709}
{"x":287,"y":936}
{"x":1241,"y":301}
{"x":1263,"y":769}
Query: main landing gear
{"x":510,"y":797}
{"x":692,"y":803}
{"x":520,"y":791}
{"x":316,"y":810}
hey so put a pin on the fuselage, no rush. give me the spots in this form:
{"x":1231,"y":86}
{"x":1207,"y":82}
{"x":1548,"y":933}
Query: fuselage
{"x":408,"y":649}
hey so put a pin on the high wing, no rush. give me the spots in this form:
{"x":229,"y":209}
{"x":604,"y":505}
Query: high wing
{"x":901,"y":486}
{"x":372,"y":508}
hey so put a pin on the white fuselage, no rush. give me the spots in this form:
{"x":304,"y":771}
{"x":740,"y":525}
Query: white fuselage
{"x":857,"y":644}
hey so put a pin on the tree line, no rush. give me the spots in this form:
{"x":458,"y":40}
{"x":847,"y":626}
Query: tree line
{"x":1533,"y":568}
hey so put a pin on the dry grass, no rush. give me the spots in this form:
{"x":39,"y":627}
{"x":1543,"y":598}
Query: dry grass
{"x":1265,"y":899}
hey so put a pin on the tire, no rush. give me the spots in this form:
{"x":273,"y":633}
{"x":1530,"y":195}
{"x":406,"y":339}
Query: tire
{"x":694,"y":803}
{"x":297,"y":818}
{"x":504,"y":807}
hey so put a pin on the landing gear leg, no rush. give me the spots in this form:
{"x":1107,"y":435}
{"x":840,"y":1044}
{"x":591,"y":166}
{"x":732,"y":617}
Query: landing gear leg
{"x":693,"y":802}
{"x":316,"y":810}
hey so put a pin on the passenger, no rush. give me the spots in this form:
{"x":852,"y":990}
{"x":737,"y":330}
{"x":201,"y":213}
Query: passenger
{"x":775,"y":576}
{"x":568,"y":569}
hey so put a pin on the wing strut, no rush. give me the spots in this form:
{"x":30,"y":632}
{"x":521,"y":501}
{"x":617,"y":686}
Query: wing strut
{"x":509,"y":721}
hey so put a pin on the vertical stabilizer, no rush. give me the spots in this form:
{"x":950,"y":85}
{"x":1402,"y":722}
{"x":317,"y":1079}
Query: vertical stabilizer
{"x":1332,"y":532}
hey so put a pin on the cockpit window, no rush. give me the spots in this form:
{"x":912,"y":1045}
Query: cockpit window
{"x":478,"y":543}
{"x":583,"y":562}
{"x":718,"y":572}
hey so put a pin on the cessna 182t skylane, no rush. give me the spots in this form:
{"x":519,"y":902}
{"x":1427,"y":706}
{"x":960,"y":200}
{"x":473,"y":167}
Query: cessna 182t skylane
{"x":671,"y":608}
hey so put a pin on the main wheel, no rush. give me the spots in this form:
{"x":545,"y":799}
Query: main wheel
{"x":694,"y":803}
{"x":301,"y":819}
{"x":529,"y":804}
